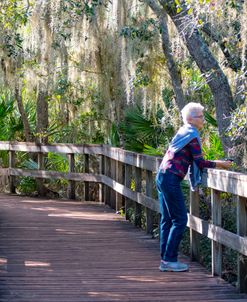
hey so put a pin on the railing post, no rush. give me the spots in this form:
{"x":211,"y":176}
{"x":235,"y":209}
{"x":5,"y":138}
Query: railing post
{"x":216,"y":220}
{"x":242,"y":231}
{"x":40,"y":182}
{"x":113,"y":176}
{"x":86,"y":170}
{"x":12,"y":165}
{"x":127,"y":183}
{"x":107,"y":169}
{"x":119,"y":179}
{"x":149,"y":192}
{"x":194,"y":236}
{"x":102,"y":186}
{"x":71,"y":184}
{"x":138,"y":188}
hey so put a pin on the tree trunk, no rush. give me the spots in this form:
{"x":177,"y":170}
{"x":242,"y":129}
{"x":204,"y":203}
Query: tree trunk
{"x":208,"y":65}
{"x":166,"y":46}
{"x":42,"y":117}
{"x":27,"y":131}
{"x":171,"y":64}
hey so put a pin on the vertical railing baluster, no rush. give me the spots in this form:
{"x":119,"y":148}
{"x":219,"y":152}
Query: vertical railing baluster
{"x":102,"y":186}
{"x":71,"y":184}
{"x":12,"y":165}
{"x":119,"y":179}
{"x":113,"y":176}
{"x":127,"y":183}
{"x":138,"y":188}
{"x":149,"y":192}
{"x":40,"y":181}
{"x":86,"y":170}
{"x":216,"y":220}
{"x":194,"y":236}
{"x":242,"y":231}
{"x":107,"y":191}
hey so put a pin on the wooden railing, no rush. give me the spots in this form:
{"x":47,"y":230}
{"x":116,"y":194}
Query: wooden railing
{"x":127,"y":179}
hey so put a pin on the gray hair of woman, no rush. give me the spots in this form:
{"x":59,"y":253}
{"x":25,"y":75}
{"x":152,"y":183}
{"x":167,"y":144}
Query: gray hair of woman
{"x":191,"y":110}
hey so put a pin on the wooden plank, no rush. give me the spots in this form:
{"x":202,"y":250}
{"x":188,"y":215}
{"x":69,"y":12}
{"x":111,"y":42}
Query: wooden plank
{"x":56,"y":175}
{"x":71,"y":184}
{"x":119,"y":179}
{"x":4,"y":146}
{"x":216,"y":233}
{"x":93,"y":149}
{"x":226,"y":181}
{"x":127,"y":184}
{"x":134,"y":159}
{"x":48,"y":252}
{"x":149,"y":192}
{"x":138,"y":188}
{"x":73,"y":148}
{"x":11,"y":177}
{"x":107,"y":174}
{"x":87,"y":184}
{"x":113,"y":176}
{"x":135,"y":196}
{"x":212,"y":232}
{"x":102,"y":186}
{"x":4,"y":171}
{"x":220,"y":180}
{"x":63,"y":148}
{"x":40,"y":184}
{"x":242,"y":231}
{"x":216,"y":220}
{"x":194,"y":237}
{"x":24,"y":147}
{"x":58,"y":148}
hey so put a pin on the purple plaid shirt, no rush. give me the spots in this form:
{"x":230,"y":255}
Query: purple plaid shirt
{"x":179,"y":162}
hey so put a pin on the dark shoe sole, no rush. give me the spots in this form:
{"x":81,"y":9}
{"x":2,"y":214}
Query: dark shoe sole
{"x":173,"y":270}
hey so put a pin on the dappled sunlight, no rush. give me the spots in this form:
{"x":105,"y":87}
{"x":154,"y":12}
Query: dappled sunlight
{"x":3,"y":261}
{"x":44,"y":209}
{"x":139,"y":278}
{"x":105,"y":295}
{"x":36,"y":264}
{"x":38,"y":201}
{"x":74,"y":232}
{"x":87,"y":253}
{"x":83,"y":215}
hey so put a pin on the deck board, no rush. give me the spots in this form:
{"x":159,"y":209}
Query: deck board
{"x":65,"y":251}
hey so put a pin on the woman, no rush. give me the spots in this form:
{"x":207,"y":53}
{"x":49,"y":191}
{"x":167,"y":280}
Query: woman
{"x":184,"y":153}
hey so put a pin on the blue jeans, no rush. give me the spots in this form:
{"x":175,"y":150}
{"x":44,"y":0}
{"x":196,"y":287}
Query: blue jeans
{"x":173,"y":214}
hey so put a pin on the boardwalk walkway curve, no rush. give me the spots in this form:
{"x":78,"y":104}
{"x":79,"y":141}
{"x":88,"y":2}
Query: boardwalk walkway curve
{"x":65,"y":251}
{"x":124,"y":180}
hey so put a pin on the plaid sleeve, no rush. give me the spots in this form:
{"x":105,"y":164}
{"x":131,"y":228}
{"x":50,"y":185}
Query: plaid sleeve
{"x":196,"y":152}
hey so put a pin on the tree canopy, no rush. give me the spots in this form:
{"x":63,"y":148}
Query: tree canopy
{"x":72,"y":68}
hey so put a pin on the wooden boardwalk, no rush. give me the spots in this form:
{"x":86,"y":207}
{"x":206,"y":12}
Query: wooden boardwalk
{"x":64,"y":251}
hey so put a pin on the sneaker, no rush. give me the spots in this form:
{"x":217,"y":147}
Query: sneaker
{"x":166,"y":266}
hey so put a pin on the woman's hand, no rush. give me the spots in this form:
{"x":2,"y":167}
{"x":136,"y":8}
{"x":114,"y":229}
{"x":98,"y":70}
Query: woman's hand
{"x":223,"y":164}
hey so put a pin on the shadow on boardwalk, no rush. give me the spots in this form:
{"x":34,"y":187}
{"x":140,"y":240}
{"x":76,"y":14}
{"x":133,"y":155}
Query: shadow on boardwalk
{"x":57,"y":251}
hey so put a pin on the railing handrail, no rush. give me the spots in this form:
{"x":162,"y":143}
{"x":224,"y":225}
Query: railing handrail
{"x":114,"y":160}
{"x":212,"y":178}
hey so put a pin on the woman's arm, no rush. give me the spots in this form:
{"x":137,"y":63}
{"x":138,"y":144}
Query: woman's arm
{"x":196,"y":152}
{"x":223,"y":164}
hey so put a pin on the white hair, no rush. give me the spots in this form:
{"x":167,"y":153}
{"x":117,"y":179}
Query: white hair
{"x":190,"y":110}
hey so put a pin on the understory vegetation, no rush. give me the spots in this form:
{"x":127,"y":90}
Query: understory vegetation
{"x":119,"y":73}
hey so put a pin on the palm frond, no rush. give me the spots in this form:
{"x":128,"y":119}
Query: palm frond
{"x":209,"y":118}
{"x":149,"y":150}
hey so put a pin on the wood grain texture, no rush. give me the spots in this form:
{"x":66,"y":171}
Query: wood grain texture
{"x":66,"y":251}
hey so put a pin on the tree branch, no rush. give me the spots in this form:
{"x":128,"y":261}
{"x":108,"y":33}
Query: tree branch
{"x":166,"y":45}
{"x":233,"y":62}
